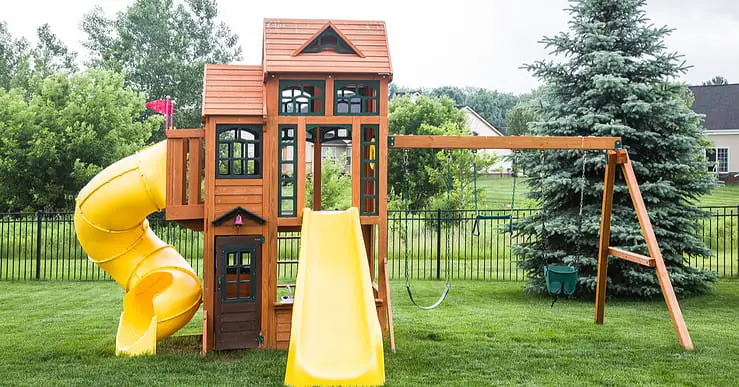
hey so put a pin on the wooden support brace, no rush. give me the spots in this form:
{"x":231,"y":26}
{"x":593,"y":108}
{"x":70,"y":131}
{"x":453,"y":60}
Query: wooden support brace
{"x":632,"y":257}
{"x":654,"y":251}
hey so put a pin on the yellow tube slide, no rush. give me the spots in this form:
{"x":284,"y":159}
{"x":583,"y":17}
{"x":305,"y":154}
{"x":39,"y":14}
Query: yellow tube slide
{"x":162,"y":290}
{"x":336,"y":337}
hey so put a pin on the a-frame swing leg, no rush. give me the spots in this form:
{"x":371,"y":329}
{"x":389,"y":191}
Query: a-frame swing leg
{"x":605,"y":238}
{"x":664,"y":279}
{"x":621,"y":157}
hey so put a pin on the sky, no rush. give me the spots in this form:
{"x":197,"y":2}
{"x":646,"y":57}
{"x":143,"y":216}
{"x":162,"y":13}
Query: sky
{"x":461,"y":42}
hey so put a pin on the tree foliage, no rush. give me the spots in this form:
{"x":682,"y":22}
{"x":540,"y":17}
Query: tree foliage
{"x":613,"y":77}
{"x":519,"y":118}
{"x":716,"y":81}
{"x":336,"y":186}
{"x":70,"y":129}
{"x":162,"y":49}
{"x":419,"y":177}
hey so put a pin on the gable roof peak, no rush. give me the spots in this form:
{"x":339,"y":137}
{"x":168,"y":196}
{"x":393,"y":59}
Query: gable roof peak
{"x":328,"y":29}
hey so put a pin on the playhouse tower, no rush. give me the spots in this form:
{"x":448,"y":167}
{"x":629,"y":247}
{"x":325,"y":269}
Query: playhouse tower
{"x":322,"y":84}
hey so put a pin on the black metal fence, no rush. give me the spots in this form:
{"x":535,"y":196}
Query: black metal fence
{"x":44,"y":246}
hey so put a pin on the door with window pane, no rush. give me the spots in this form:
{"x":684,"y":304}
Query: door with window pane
{"x":237,"y":298}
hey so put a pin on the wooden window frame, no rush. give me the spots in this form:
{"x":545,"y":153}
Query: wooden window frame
{"x":286,"y":84}
{"x":341,"y":85}
{"x":258,"y":132}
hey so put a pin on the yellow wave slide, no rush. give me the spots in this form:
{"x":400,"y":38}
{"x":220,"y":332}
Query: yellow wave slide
{"x":336,"y":337}
{"x":162,"y":290}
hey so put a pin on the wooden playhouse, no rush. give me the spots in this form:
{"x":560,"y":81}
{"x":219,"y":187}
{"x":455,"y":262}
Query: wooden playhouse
{"x":242,"y":179}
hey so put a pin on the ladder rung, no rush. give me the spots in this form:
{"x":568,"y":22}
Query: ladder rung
{"x":632,"y":257}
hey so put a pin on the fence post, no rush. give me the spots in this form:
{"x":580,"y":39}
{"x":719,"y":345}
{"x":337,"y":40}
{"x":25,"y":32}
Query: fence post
{"x":39,"y":217}
{"x":438,"y":243}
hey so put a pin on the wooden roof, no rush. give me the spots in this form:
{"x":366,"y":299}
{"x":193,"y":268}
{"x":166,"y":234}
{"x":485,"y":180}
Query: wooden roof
{"x":233,"y":90}
{"x":284,"y":39}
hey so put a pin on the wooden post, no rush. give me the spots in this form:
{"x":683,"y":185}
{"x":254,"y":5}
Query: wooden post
{"x":654,"y":251}
{"x":605,"y":238}
{"x":317,"y":169}
{"x":391,"y":330}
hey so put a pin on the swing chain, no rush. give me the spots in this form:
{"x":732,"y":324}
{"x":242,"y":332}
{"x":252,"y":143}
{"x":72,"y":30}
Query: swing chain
{"x":582,"y":186}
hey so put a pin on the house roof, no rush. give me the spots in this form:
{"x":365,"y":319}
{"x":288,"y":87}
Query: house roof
{"x":284,"y":40}
{"x":720,"y":105}
{"x":233,"y":90}
{"x":474,"y":114}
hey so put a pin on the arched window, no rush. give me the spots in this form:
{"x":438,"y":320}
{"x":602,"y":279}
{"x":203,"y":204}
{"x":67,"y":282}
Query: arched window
{"x":239,"y":151}
{"x":301,"y":97}
{"x":356,"y":97}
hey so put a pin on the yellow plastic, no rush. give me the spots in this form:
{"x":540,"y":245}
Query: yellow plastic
{"x":162,"y":290}
{"x":336,"y":337}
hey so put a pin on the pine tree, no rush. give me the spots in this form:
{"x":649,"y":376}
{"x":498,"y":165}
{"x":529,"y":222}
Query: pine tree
{"x":614,"y":77}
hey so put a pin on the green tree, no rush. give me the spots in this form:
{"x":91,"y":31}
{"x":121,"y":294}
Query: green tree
{"x":51,"y":55}
{"x":614,"y":77}
{"x":14,"y":59}
{"x":492,"y":105}
{"x":519,"y":117}
{"x":162,"y":49}
{"x":336,"y":186}
{"x":717,"y":81}
{"x":419,"y":176}
{"x":72,"y":127}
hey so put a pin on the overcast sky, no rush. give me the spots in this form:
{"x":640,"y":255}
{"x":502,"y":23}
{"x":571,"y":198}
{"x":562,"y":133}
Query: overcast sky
{"x":459,"y":42}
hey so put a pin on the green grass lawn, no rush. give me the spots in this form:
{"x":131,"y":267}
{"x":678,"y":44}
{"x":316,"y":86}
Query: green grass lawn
{"x":498,"y":191}
{"x":63,"y":333}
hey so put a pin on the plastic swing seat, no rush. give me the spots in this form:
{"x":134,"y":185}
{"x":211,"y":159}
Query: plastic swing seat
{"x":478,"y":218}
{"x":561,"y":280}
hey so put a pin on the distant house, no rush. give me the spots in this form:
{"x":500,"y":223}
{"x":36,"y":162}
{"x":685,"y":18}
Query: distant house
{"x":480,"y":127}
{"x":720,"y":105}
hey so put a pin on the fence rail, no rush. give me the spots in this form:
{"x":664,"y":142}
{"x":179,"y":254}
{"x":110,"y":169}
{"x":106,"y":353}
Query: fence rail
{"x":44,"y":246}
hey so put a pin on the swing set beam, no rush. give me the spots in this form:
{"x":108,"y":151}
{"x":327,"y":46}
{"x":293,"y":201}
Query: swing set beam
{"x":617,"y":156}
{"x":503,"y":142}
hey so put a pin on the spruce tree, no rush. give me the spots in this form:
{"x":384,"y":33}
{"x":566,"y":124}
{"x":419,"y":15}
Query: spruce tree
{"x":611,"y":75}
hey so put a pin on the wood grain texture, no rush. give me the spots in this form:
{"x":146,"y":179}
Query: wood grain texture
{"x":506,"y":142}
{"x":237,"y":90}
{"x":605,"y":238}
{"x":284,"y":37}
{"x":209,"y":241}
{"x":194,"y":178}
{"x":654,"y":251}
{"x":632,"y":257}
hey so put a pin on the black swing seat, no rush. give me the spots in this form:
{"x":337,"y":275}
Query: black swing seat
{"x":494,"y":217}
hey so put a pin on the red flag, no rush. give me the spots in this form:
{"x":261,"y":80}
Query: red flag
{"x":160,"y":106}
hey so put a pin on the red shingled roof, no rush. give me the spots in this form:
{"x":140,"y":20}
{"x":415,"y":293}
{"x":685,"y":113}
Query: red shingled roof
{"x":283,"y":39}
{"x":233,"y":90}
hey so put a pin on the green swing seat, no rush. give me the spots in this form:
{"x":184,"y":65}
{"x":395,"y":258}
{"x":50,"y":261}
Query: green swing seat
{"x":561,"y":279}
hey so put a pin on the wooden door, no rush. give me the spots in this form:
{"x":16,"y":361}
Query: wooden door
{"x":237,"y":298}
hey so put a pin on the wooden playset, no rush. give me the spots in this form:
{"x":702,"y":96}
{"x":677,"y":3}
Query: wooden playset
{"x":320,"y":82}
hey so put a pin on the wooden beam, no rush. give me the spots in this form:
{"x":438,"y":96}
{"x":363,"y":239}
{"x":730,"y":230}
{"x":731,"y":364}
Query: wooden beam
{"x":605,"y":238}
{"x":389,"y":307}
{"x":194,"y":171}
{"x":654,"y":251}
{"x":185,"y":133}
{"x":505,"y":142}
{"x":632,"y":257}
{"x":317,"y":169}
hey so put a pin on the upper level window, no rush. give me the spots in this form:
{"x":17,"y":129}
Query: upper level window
{"x":301,"y":97}
{"x":329,"y":40}
{"x":356,"y":97}
{"x":239,"y":150}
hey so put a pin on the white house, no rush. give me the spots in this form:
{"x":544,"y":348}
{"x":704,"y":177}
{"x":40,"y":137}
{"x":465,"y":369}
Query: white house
{"x":720,"y":105}
{"x":480,"y":127}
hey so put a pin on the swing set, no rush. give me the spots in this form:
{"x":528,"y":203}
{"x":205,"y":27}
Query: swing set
{"x":560,"y":279}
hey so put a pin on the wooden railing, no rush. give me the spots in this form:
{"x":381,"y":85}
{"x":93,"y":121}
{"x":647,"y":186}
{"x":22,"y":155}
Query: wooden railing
{"x":185,"y":174}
